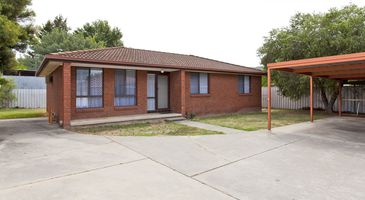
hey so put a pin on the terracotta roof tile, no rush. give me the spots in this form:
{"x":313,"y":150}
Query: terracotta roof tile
{"x":139,"y":57}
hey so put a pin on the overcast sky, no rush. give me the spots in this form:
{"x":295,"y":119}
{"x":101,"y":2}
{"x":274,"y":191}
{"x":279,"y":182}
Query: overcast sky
{"x":226,"y":30}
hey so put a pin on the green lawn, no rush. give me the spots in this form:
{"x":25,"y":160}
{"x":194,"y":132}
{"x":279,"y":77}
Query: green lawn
{"x":145,"y":129}
{"x":258,"y":120}
{"x":12,"y":113}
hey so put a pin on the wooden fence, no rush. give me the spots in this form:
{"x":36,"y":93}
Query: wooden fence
{"x":29,"y":98}
{"x":281,"y":102}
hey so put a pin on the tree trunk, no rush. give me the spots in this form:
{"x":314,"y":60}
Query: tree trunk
{"x":333,"y":100}
{"x":328,"y":105}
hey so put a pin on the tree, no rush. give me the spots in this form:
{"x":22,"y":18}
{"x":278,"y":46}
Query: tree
{"x":28,"y":61}
{"x":58,"y":22}
{"x":102,"y":32}
{"x":16,"y":30}
{"x":58,"y":41}
{"x":339,"y":31}
{"x":6,"y":96}
{"x":31,"y":60}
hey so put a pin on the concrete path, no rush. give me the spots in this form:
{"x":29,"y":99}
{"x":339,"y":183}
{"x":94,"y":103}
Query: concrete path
{"x":324,"y":160}
{"x":210,"y":127}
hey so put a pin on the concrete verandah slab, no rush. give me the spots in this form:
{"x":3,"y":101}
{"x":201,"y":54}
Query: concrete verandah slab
{"x":125,"y":119}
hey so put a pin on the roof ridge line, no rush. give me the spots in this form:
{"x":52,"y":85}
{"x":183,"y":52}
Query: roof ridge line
{"x":86,"y":50}
{"x":180,"y":54}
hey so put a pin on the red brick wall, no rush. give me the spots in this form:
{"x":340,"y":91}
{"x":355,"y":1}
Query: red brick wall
{"x":223,"y":96}
{"x":54,"y":90}
{"x":108,"y":99}
{"x":66,"y":95}
{"x":175,"y":89}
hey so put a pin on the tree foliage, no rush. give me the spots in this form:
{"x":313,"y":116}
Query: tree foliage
{"x":16,"y":30}
{"x":6,"y":96}
{"x":338,"y":31}
{"x":58,"y":41}
{"x":55,"y":36}
{"x":58,"y":22}
{"x":101,"y":31}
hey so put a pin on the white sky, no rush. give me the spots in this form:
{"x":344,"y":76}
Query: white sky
{"x":226,"y":30}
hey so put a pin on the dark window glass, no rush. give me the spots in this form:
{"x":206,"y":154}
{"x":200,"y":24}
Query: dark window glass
{"x":89,"y":88}
{"x":125,"y":88}
{"x":199,"y":83}
{"x":244,"y":84}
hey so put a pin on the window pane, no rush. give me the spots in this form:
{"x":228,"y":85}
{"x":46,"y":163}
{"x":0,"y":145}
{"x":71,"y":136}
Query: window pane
{"x":82,"y":82}
{"x":95,"y":102}
{"x":247,"y":84}
{"x":89,"y":102}
{"x":203,"y":83}
{"x":131,"y":82}
{"x":82,"y":102}
{"x":125,"y":101}
{"x":96,"y":82}
{"x":151,"y":104}
{"x":125,"y":88}
{"x":194,"y":83}
{"x":119,"y":82}
{"x":151,"y":81}
{"x":241,"y":83}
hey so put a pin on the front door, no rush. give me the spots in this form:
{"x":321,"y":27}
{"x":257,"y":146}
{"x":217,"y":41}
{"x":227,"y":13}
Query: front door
{"x":157,"y":92}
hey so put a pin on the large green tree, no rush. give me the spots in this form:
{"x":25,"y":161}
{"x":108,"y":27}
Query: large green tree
{"x":338,"y":31}
{"x":58,"y":22}
{"x":102,"y":32}
{"x":32,"y":59}
{"x":16,"y":30}
{"x":58,"y":41}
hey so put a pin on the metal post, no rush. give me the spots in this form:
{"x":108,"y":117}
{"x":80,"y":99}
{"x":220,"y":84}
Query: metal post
{"x":268,"y":99}
{"x":339,"y":100}
{"x":311,"y":98}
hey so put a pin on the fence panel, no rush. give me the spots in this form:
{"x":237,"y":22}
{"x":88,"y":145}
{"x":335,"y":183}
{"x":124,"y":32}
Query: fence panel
{"x":348,"y":93}
{"x":29,"y":98}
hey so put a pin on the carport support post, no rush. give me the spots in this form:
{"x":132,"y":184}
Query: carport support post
{"x":311,"y":97}
{"x":339,"y":100}
{"x":268,"y":98}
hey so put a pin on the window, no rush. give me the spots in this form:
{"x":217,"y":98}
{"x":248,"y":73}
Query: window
{"x":125,"y":88}
{"x":199,"y":83}
{"x":244,"y":84}
{"x":89,"y":88}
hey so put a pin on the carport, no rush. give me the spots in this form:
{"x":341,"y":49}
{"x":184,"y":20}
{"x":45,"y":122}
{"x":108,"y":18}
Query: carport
{"x":342,"y":68}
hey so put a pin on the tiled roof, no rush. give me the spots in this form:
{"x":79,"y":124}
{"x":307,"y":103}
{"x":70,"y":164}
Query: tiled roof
{"x":139,"y":57}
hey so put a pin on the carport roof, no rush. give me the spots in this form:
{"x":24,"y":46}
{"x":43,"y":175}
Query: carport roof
{"x":340,"y":67}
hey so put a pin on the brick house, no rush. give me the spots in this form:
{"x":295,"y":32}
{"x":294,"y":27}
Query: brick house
{"x":124,"y":81}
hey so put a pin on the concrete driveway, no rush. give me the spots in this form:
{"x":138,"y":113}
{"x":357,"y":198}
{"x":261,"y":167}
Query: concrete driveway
{"x":324,"y":160}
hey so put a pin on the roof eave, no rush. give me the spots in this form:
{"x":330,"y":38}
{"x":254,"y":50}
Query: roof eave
{"x":43,"y":63}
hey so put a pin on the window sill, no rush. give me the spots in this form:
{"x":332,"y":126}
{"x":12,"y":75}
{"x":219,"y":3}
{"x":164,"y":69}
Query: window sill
{"x":89,"y":109}
{"x":200,"y":95}
{"x":125,"y":107}
{"x":243,"y":94}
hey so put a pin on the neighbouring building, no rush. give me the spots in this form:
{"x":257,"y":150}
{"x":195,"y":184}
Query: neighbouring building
{"x":124,"y":81}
